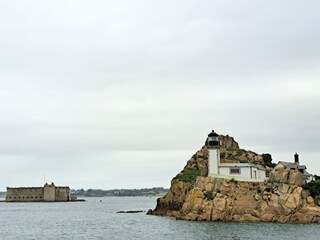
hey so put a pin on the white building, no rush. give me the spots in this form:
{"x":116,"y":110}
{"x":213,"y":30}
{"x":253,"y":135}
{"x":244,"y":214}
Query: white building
{"x":238,"y":171}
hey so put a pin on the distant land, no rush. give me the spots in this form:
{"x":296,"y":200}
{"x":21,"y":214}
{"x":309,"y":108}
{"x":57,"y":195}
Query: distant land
{"x":156,"y":191}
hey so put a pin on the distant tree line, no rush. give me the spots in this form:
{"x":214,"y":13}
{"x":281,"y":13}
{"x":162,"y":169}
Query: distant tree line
{"x":120,"y":192}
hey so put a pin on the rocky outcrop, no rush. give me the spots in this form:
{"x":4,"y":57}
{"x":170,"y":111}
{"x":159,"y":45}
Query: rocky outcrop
{"x":202,"y":198}
{"x":212,"y":199}
{"x":228,"y":142}
{"x":287,"y":176}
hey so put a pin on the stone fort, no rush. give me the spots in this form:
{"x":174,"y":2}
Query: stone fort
{"x":47,"y":193}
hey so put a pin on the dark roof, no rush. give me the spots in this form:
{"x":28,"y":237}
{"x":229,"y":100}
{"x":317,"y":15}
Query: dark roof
{"x":292,"y":165}
{"x":213,"y":134}
{"x":306,"y":174}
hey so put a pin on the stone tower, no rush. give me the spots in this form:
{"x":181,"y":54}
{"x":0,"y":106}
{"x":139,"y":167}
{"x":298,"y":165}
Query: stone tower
{"x":49,"y":192}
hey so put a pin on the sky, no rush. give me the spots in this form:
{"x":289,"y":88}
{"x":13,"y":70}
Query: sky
{"x":120,"y":94}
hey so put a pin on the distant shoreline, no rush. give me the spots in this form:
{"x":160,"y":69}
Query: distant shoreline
{"x":143,"y":192}
{"x":147,"y":192}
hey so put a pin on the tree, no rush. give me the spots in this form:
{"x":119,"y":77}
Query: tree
{"x":267,"y":159}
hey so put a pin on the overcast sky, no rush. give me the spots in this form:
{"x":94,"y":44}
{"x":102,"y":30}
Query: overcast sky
{"x":120,"y":94}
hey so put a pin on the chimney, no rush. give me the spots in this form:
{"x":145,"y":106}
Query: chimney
{"x":296,"y":159}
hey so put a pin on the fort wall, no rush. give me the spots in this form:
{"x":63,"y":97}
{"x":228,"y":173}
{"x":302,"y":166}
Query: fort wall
{"x":34,"y":194}
{"x":48,"y":193}
{"x":62,"y":194}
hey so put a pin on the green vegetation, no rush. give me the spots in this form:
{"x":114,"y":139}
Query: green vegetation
{"x":208,"y":196}
{"x":238,"y":153}
{"x":230,"y":157}
{"x":232,"y":154}
{"x":240,"y":150}
{"x":188,"y":175}
{"x":267,"y":159}
{"x":243,"y":161}
{"x":235,"y":150}
{"x":313,"y":187}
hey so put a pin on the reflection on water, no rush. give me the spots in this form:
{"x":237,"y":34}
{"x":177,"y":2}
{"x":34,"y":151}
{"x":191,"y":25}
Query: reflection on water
{"x":97,"y":219}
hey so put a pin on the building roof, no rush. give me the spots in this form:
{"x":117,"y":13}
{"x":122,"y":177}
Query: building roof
{"x":306,"y":174}
{"x":292,"y":165}
{"x":213,"y":134}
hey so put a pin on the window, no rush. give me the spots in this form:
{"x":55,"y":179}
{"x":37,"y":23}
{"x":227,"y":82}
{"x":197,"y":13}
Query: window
{"x":235,"y":170}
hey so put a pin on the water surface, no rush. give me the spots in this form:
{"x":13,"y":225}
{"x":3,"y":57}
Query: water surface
{"x":98,"y":220}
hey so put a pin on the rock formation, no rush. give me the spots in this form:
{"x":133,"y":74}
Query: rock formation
{"x":194,"y":196}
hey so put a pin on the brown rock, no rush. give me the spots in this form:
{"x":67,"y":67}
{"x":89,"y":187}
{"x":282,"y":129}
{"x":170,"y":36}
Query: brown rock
{"x":283,"y":188}
{"x":257,"y":197}
{"x":292,"y":201}
{"x":279,"y":175}
{"x":220,"y":204}
{"x":267,"y":217}
{"x":249,"y":218}
{"x":287,"y":176}
{"x":310,"y":200}
{"x":295,"y":178}
{"x":228,"y":142}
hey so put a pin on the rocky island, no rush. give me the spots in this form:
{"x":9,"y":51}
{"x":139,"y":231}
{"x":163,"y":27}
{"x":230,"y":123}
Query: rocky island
{"x":196,"y":194}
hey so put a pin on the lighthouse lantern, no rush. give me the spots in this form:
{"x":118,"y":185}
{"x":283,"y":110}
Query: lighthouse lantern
{"x":213,"y":139}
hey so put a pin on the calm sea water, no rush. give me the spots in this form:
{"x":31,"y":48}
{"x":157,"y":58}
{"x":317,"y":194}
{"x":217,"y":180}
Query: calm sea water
{"x":98,"y":220}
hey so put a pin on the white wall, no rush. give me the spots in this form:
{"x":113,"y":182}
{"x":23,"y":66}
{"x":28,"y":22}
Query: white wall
{"x":263,"y":174}
{"x":244,"y":172}
{"x":213,"y":161}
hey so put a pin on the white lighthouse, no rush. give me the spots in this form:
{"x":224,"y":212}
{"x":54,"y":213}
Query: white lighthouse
{"x":214,"y":153}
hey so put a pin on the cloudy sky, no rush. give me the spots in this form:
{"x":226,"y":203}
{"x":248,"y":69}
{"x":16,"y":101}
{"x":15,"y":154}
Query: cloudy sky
{"x":120,"y":94}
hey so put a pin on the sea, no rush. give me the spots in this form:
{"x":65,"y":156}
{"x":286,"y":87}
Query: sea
{"x":97,"y":218}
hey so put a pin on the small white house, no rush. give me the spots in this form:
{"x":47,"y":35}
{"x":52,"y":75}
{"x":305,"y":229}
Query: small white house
{"x":238,"y":171}
{"x":243,"y":171}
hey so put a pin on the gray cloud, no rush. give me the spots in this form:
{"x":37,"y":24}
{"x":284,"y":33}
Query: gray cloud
{"x":120,"y":94}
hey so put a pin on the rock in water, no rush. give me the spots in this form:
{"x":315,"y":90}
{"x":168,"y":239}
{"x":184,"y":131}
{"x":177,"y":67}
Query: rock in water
{"x":131,"y":211}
